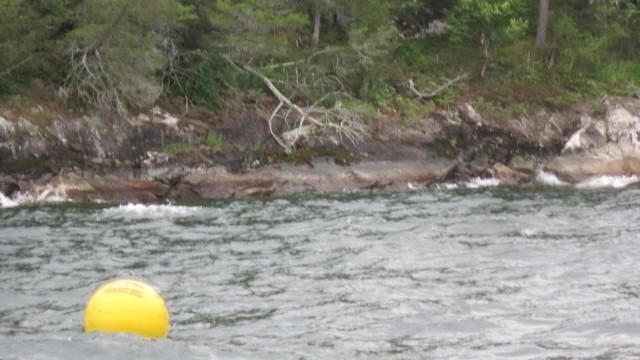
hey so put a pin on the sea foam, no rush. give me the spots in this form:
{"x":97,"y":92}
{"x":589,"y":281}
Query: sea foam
{"x":547,"y":178}
{"x":49,"y":194}
{"x":151,"y":211}
{"x":475,"y":183}
{"x":615,"y":182}
{"x":596,"y":182}
{"x":6,"y":202}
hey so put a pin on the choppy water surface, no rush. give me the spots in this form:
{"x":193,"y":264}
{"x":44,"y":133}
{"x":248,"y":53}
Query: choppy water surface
{"x":501,"y":273}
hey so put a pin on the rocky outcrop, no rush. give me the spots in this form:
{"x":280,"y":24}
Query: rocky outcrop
{"x":8,"y":186}
{"x":507,"y":175}
{"x":97,"y":138}
{"x":322,"y":176}
{"x":20,"y":139}
{"x":156,"y":156}
{"x":606,"y":146}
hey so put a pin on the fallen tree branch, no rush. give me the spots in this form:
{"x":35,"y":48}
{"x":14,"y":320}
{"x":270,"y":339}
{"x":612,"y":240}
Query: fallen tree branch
{"x":439,"y":90}
{"x":90,"y":81}
{"x":342,"y":121}
{"x":270,"y":121}
{"x":16,"y":65}
{"x":296,"y":62}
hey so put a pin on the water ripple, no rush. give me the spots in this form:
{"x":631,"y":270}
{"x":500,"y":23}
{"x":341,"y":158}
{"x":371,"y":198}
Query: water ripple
{"x":494,"y":273}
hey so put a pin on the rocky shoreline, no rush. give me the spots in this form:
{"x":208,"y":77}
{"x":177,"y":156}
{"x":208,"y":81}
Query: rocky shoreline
{"x":157,"y":156}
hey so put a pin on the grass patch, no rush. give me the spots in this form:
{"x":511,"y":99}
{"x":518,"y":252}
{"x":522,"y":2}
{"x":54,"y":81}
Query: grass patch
{"x":339,"y":154}
{"x":214,"y":140}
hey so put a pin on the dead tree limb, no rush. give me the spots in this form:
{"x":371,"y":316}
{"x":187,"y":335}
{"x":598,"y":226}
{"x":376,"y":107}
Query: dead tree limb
{"x":437,"y":91}
{"x":270,"y":121}
{"x":343,"y":122}
{"x":298,"y":62}
{"x":89,"y":80}
{"x":16,"y":65}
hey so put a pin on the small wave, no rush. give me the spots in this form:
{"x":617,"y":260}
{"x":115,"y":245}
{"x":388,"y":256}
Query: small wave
{"x":50,"y":194}
{"x":5,"y":202}
{"x":151,"y":210}
{"x":616,"y":182}
{"x":596,"y":182}
{"x":547,"y":178}
{"x":447,"y":186}
{"x":528,"y":232}
{"x":475,"y":183}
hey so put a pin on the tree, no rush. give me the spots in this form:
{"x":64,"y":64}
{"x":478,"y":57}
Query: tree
{"x":318,"y":9}
{"x":487,"y":22}
{"x":117,"y":48}
{"x":413,"y":17}
{"x":543,"y":23}
{"x":618,"y":21}
{"x":25,"y":31}
{"x":348,"y":13}
{"x":258,"y":29}
{"x":307,"y":82}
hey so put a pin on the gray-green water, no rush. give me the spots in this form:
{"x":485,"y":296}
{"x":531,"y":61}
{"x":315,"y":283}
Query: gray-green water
{"x":501,"y":273}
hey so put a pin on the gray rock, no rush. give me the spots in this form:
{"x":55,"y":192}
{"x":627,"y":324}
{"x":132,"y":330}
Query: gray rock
{"x":608,"y":146}
{"x":623,"y":127}
{"x":526,"y":164}
{"x":322,"y":177}
{"x":507,"y":175}
{"x":8,"y":186}
{"x":608,"y":160}
{"x":592,"y":134}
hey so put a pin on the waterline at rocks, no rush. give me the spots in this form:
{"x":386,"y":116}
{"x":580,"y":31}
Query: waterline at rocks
{"x":159,"y":157}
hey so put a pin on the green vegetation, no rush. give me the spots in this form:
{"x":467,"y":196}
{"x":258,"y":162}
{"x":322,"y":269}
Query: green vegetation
{"x":360,"y":55}
{"x":214,"y":140}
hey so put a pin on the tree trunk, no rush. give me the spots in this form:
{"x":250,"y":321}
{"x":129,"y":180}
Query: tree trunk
{"x":317,"y":19}
{"x":543,"y":23}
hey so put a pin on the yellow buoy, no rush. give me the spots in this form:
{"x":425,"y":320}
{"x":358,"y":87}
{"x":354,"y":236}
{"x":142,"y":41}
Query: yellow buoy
{"x":127,"y":306}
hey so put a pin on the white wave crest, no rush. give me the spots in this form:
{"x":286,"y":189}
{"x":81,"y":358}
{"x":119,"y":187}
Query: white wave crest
{"x":477,"y":183}
{"x":547,"y":178}
{"x":49,"y":194}
{"x":5,"y":202}
{"x":152,"y":211}
{"x":447,"y":186}
{"x":596,"y":182}
{"x":615,"y":182}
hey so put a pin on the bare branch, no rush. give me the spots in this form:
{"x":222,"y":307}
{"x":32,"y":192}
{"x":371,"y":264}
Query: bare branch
{"x":270,"y":121}
{"x":171,"y":73}
{"x":294,"y":63}
{"x":439,"y":90}
{"x":342,"y":121}
{"x":90,"y":81}
{"x":16,"y":65}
